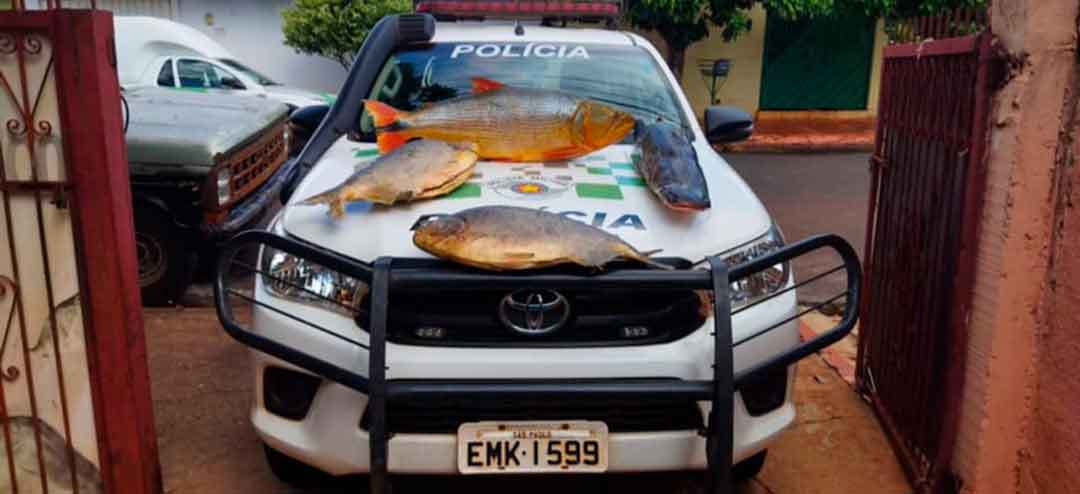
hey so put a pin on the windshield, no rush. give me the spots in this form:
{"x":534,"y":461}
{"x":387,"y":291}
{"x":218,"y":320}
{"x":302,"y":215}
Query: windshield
{"x":248,"y":71}
{"x":626,"y":77}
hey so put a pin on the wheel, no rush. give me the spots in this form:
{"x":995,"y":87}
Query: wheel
{"x":748,"y":468}
{"x":165,"y":265}
{"x":295,"y":473}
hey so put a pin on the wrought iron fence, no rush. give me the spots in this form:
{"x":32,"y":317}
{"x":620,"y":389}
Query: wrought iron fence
{"x":955,"y":23}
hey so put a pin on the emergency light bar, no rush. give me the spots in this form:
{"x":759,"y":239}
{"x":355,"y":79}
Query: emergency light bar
{"x":520,"y":9}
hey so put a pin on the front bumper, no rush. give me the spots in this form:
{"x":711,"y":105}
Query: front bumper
{"x":709,"y":366}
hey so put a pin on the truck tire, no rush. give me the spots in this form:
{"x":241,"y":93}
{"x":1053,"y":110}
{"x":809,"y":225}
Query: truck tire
{"x":165,"y":265}
{"x":294,"y":472}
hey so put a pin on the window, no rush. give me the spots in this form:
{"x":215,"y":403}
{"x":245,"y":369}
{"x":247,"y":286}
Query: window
{"x":166,"y":77}
{"x":626,"y":77}
{"x":205,"y":75}
{"x":252,"y":73}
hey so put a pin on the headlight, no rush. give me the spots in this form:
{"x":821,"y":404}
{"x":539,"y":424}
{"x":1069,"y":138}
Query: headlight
{"x":299,"y":280}
{"x":223,"y":182}
{"x":763,"y":283}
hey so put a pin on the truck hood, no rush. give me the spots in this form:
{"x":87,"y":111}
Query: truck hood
{"x":298,"y":97}
{"x":175,"y":127}
{"x":601,"y":189}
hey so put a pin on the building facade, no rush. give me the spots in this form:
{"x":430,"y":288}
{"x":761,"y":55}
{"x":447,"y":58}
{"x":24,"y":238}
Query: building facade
{"x":816,"y":65}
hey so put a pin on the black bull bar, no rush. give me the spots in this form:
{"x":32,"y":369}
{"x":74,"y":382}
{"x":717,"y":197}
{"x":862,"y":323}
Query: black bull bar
{"x":386,"y":275}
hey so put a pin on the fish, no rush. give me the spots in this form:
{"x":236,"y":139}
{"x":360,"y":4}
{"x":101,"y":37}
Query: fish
{"x":419,"y":169}
{"x":503,"y":238}
{"x":508,"y":123}
{"x":666,"y":160}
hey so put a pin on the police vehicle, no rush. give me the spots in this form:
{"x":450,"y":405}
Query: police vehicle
{"x":372,"y":357}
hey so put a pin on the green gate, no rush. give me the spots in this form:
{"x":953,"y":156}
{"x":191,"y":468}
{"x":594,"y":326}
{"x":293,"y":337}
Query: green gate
{"x":817,"y":64}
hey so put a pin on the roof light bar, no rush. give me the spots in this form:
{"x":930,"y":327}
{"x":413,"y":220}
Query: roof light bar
{"x":520,"y":9}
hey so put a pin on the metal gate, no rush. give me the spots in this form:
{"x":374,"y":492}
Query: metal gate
{"x":75,"y":412}
{"x":927,"y":176}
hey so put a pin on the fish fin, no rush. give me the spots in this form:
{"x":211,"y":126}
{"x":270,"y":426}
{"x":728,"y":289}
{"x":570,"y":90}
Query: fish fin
{"x":481,"y":85}
{"x":643,"y":257}
{"x":519,"y":255}
{"x":389,"y":141}
{"x":563,"y":154}
{"x":650,"y":253}
{"x":383,"y":114}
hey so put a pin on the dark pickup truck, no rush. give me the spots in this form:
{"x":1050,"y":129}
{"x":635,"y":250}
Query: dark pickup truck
{"x":203,"y":167}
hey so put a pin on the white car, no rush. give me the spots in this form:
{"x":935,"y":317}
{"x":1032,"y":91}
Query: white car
{"x":310,"y":424}
{"x":159,"y":52}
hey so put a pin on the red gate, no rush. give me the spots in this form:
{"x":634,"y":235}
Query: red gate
{"x":75,"y":411}
{"x":928,"y":176}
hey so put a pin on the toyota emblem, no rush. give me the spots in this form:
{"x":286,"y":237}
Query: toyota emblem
{"x":534,"y":312}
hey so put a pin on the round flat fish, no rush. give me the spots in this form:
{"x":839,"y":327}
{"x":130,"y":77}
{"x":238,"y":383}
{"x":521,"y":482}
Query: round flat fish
{"x":513,"y":238}
{"x":420,"y":169}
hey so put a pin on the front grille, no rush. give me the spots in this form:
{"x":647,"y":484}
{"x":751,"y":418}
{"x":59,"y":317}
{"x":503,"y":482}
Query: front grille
{"x":620,"y":415}
{"x":251,"y":165}
{"x":596,"y":318}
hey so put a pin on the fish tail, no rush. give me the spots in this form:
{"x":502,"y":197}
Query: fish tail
{"x":332,"y":198}
{"x":383,"y":114}
{"x":389,"y":141}
{"x":321,"y":198}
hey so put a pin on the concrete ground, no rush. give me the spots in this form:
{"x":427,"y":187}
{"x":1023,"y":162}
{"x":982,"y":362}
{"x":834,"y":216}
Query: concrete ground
{"x":202,"y":392}
{"x":808,"y":194}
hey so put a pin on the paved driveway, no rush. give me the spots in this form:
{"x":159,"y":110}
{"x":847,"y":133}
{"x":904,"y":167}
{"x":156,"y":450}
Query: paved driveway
{"x":201,"y":385}
{"x":809,"y":194}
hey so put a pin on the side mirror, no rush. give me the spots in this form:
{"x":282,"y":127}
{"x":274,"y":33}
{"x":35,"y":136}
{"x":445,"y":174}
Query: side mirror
{"x":725,"y":124}
{"x":307,"y":119}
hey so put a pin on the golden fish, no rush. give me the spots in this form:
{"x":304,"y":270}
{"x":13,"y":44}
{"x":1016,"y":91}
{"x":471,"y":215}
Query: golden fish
{"x":508,"y":123}
{"x":510,"y":238}
{"x":418,"y":170}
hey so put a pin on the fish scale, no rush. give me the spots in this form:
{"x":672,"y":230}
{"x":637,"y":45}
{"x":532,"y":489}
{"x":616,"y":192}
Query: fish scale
{"x":508,"y":123}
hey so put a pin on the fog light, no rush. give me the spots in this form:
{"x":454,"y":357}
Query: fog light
{"x":287,"y":393}
{"x":765,"y":393}
{"x":430,"y":332}
{"x":634,"y":332}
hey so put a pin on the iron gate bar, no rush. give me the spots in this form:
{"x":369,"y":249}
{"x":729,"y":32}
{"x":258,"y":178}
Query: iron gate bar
{"x":390,"y":274}
{"x":921,"y":227}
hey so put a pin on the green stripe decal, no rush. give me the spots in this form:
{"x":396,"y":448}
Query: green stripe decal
{"x":466,"y":191}
{"x":598,"y":191}
{"x":634,"y":181}
{"x":364,"y":153}
{"x":623,"y":166}
{"x":596,"y":170}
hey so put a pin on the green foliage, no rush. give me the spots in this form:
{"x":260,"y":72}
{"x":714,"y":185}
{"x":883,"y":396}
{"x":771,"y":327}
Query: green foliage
{"x":335,"y":29}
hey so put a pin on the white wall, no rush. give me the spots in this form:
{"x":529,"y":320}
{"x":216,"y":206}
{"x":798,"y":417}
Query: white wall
{"x":251,"y":29}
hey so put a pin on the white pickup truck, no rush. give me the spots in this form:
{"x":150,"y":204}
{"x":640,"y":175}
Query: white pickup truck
{"x":507,"y":400}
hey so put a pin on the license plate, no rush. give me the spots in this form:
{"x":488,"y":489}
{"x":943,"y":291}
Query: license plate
{"x":532,"y":447}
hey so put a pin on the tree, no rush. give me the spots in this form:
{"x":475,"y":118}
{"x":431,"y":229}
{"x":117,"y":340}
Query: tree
{"x":335,"y":29}
{"x":681,"y":23}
